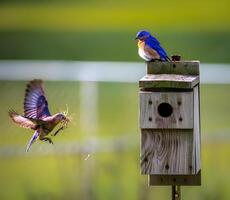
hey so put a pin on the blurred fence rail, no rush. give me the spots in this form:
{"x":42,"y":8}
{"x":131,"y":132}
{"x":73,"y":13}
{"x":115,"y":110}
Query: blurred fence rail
{"x":96,"y":71}
{"x":88,"y":147}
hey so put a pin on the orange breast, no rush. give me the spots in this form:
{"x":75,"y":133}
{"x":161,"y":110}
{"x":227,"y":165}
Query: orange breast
{"x":140,"y":44}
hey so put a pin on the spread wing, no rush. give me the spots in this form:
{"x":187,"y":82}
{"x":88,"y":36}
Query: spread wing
{"x":35,"y":103}
{"x":21,"y":121}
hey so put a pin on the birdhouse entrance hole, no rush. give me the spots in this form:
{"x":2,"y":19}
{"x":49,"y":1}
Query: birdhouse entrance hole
{"x":165,"y":109}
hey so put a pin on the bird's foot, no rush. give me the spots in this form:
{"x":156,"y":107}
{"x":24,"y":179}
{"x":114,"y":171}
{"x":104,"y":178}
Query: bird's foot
{"x":58,"y":131}
{"x":47,"y":139}
{"x":156,"y":60}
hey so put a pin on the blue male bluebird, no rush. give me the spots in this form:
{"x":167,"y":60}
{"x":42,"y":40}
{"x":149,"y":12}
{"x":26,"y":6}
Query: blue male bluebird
{"x":149,"y":47}
{"x":36,"y":114}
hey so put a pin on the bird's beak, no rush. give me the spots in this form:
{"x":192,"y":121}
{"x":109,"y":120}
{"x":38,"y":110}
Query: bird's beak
{"x":136,"y":38}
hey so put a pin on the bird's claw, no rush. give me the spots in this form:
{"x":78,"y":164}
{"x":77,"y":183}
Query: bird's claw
{"x":58,"y":131}
{"x":156,"y":60}
{"x":48,"y":139}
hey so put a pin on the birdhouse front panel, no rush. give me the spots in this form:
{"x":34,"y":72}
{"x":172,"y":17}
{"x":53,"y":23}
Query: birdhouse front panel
{"x":166,"y":110}
{"x":167,"y":152}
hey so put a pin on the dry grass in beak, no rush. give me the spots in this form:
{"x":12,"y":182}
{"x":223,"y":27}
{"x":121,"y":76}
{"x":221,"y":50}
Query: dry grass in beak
{"x":64,"y":122}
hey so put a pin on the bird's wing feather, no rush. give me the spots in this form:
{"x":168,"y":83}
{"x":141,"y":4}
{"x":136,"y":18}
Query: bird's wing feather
{"x":154,"y":44}
{"x":151,"y":52}
{"x":40,"y":122}
{"x":35,"y":103}
{"x":154,"y":40}
{"x":21,"y":121}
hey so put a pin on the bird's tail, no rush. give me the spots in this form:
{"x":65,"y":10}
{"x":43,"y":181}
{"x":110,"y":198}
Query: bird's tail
{"x":168,"y":59}
{"x":12,"y":113}
{"x":32,"y":140}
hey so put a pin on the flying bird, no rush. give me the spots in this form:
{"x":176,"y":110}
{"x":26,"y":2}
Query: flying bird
{"x":149,"y":47}
{"x":37,"y":115}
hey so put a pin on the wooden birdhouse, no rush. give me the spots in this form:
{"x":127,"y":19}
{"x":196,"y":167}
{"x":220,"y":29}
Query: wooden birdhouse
{"x":170,"y":123}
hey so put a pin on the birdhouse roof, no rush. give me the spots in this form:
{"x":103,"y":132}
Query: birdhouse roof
{"x":179,"y":74}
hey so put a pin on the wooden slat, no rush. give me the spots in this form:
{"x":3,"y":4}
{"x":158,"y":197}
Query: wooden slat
{"x":175,"y":179}
{"x":176,"y":67}
{"x":196,"y":133}
{"x":168,"y":81}
{"x":167,"y":152}
{"x":182,"y":114}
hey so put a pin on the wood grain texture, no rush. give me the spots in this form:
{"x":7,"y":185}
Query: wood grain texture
{"x":167,"y":152}
{"x":181,"y":117}
{"x":176,"y":67}
{"x":168,"y":81}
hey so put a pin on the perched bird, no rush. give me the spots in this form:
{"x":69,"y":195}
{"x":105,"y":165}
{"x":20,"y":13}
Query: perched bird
{"x":36,"y":114}
{"x":149,"y":47}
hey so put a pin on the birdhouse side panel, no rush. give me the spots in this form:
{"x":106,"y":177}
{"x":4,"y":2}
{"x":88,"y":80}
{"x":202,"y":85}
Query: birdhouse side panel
{"x":197,"y":136}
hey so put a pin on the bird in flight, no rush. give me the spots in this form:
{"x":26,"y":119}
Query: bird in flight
{"x":36,"y":114}
{"x":149,"y":47}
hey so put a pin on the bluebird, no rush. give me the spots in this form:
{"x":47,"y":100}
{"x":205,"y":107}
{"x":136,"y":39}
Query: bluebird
{"x":36,"y":114}
{"x":149,"y":47}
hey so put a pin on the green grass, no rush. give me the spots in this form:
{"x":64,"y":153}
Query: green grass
{"x":111,"y":46}
{"x":104,"y":30}
{"x":215,"y":108}
{"x":106,"y":173}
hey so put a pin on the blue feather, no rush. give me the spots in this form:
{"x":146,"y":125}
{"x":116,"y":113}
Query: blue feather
{"x":155,"y":44}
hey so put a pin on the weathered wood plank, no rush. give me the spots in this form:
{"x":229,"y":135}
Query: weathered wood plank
{"x":175,"y":179}
{"x":176,"y":67}
{"x":196,"y":132}
{"x":168,"y":81}
{"x":151,"y":109}
{"x":167,"y":152}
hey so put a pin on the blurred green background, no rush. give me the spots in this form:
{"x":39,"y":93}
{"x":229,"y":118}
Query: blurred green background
{"x":78,"y":30}
{"x":105,"y":30}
